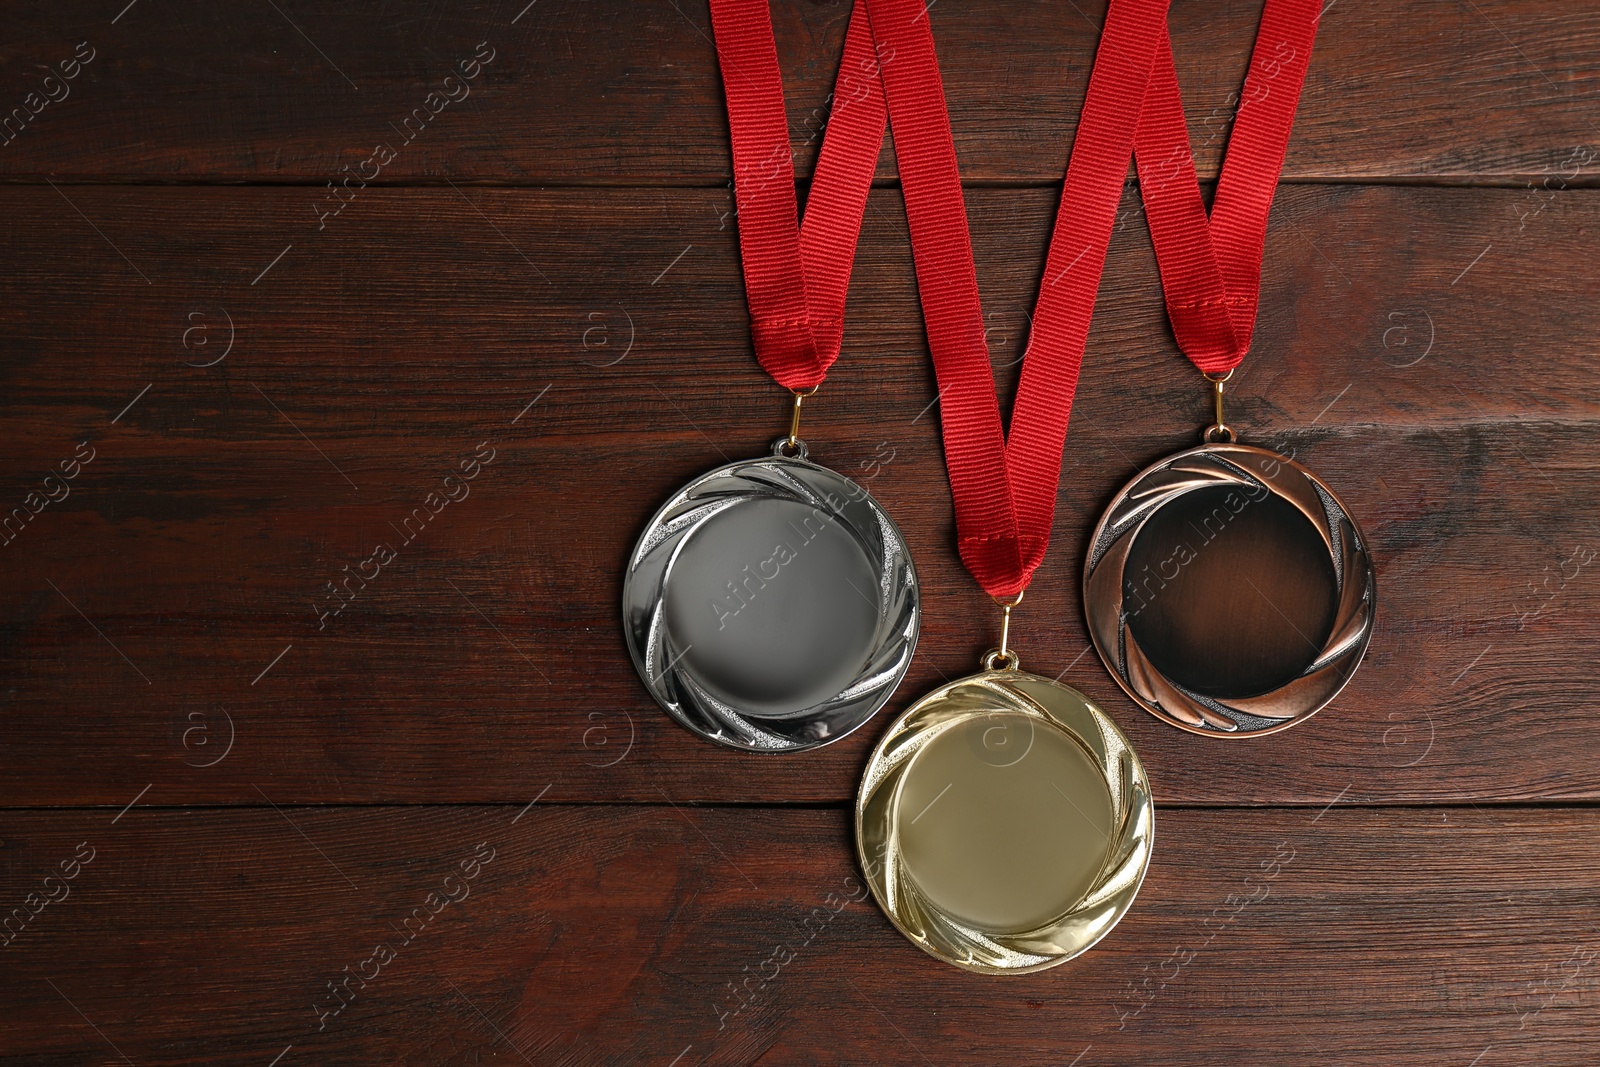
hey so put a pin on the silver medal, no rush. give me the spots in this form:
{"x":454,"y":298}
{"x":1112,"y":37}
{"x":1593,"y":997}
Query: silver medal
{"x":771,"y":604}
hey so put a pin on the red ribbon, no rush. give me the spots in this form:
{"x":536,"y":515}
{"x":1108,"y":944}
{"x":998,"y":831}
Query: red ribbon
{"x":796,"y":278}
{"x":1211,"y":267}
{"x":1005,"y":489}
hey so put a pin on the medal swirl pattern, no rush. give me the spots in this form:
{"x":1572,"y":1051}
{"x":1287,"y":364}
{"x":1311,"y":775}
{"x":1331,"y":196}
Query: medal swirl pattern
{"x":1256,"y":471}
{"x":690,"y":632}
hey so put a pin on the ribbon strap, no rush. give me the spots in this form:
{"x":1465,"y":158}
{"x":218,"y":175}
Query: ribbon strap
{"x":796,"y":278}
{"x":1211,"y":267}
{"x":1005,"y":490}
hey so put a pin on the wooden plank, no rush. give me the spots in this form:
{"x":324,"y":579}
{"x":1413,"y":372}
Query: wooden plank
{"x":174,"y":599}
{"x":635,"y":291}
{"x":621,"y":91}
{"x":494,"y":637}
{"x":607,"y":935}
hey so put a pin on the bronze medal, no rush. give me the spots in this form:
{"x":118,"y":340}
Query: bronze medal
{"x":1228,"y":591}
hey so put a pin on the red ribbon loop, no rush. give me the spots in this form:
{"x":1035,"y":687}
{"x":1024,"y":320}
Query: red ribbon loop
{"x":1005,"y":490}
{"x":796,"y":278}
{"x":1211,"y":265}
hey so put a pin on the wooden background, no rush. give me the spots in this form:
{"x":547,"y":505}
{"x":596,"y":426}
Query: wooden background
{"x":548,"y":270}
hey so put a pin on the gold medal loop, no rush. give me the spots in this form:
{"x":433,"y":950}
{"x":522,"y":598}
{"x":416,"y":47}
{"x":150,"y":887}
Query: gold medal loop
{"x":996,"y":660}
{"x":1004,"y":658}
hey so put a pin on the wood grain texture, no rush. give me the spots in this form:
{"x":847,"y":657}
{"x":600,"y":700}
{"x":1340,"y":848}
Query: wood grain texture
{"x":611,"y":936}
{"x":375,"y":356}
{"x":252,"y":386}
{"x":626,"y":91}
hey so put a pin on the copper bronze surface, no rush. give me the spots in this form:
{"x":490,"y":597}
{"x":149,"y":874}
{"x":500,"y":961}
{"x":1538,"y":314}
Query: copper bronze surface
{"x":1228,"y":591}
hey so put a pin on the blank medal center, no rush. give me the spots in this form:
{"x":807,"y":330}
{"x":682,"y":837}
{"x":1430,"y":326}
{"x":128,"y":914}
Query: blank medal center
{"x":776,"y":604}
{"x":1004,"y":822}
{"x":1230,"y":593}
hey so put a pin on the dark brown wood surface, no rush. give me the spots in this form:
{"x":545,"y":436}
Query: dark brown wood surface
{"x":627,"y":935}
{"x":621,"y":91}
{"x":269,"y":379}
{"x":371,"y":359}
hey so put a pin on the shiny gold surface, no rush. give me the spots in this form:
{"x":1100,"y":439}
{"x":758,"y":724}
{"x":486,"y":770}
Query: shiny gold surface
{"x":1004,"y":823}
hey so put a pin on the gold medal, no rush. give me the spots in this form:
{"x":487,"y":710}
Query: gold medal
{"x":1004,"y":822}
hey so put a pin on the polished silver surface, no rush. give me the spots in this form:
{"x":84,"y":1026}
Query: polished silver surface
{"x":771,"y":605}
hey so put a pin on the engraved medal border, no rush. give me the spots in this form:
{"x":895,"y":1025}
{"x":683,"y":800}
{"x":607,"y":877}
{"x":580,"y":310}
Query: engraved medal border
{"x":782,"y":477}
{"x":1127,"y":854}
{"x":1205,"y":467}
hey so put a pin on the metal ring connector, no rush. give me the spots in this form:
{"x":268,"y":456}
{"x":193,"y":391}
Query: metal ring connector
{"x":996,"y":660}
{"x":1218,"y":431}
{"x":794,"y":416}
{"x":1004,"y":658}
{"x":790,"y":448}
